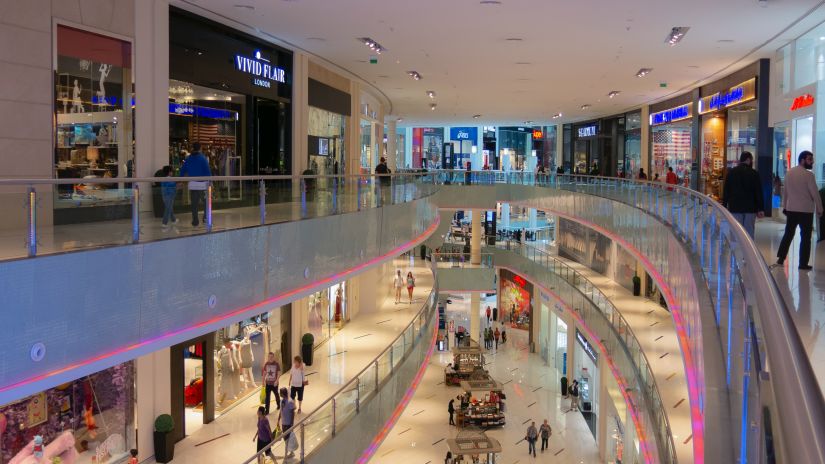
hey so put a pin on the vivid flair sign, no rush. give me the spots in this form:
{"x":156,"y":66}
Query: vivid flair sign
{"x":802,"y":101}
{"x":262,"y":71}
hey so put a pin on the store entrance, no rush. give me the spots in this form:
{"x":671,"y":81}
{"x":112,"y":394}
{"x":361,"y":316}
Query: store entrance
{"x":270,"y":137}
{"x":192,"y":383}
{"x":584,"y":156}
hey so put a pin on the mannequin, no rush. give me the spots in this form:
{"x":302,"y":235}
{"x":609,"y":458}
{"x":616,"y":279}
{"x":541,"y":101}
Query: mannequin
{"x":236,"y":375}
{"x":77,"y":103}
{"x":247,"y":358}
{"x":338,"y":305}
{"x":229,"y":371}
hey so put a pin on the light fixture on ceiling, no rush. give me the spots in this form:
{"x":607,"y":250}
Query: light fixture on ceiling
{"x":244,"y":6}
{"x":431,"y":93}
{"x":476,"y":116}
{"x":585,"y":106}
{"x":432,"y":106}
{"x":557,"y":116}
{"x":513,"y":39}
{"x":490,"y":2}
{"x":676,"y":34}
{"x":373,"y":45}
{"x":613,"y":93}
{"x":414,"y":75}
{"x":399,"y":120}
{"x":644,"y":72}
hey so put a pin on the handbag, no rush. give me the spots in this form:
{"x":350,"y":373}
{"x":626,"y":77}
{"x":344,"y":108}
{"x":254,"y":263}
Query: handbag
{"x":276,"y":433}
{"x":306,"y":382}
{"x":263,"y":394}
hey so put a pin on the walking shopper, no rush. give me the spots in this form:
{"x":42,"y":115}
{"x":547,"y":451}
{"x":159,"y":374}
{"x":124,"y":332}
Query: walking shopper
{"x":286,"y":417}
{"x":489,"y":313}
{"x":168,"y":192}
{"x":671,"y":177}
{"x":574,"y":396}
{"x":545,"y":432}
{"x":497,"y":335}
{"x":410,"y":285}
{"x":384,"y":180}
{"x":398,"y":284}
{"x":196,"y":165}
{"x":503,"y":334}
{"x":270,"y":373}
{"x":799,"y":204}
{"x":642,"y":175}
{"x":742,"y":194}
{"x":264,"y":434}
{"x":495,"y":313}
{"x":451,"y":410}
{"x":297,"y":381}
{"x":531,"y":437}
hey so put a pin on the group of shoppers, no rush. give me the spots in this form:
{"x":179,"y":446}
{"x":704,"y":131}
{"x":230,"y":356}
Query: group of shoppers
{"x":399,"y":282}
{"x":285,"y":399}
{"x":492,"y":337}
{"x":532,"y":435}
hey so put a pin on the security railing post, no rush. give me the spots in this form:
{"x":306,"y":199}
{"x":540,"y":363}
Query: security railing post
{"x":208,"y":208}
{"x":262,"y":200}
{"x":302,"y":443}
{"x":31,"y":206}
{"x":376,"y":376}
{"x":135,"y":213}
{"x":358,"y":395}
{"x":333,"y":417}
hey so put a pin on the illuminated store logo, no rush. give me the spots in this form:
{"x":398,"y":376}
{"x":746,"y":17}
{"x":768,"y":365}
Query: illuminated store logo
{"x":802,"y":101}
{"x":671,"y":115}
{"x":588,"y":131}
{"x":741,"y":93}
{"x":587,"y":347}
{"x":262,"y":71}
{"x":462,"y":135}
{"x":520,"y":281}
{"x":537,"y":135}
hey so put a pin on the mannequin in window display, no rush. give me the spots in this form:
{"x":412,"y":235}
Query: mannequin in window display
{"x":228,"y":369}
{"x":104,"y":73}
{"x":247,"y":358}
{"x":316,"y":321}
{"x":236,"y":377}
{"x":339,"y":301}
{"x":77,"y":103}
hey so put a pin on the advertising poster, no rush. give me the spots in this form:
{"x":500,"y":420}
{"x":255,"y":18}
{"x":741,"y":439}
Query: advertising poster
{"x":516,"y":293}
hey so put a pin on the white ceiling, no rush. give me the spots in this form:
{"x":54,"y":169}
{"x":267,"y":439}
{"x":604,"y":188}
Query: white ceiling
{"x":572,"y":52}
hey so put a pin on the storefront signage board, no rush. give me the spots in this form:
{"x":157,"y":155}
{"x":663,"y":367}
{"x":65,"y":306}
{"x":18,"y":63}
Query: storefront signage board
{"x":262,"y":72}
{"x":201,"y":111}
{"x":802,"y":101}
{"x":587,"y":347}
{"x":741,"y":93}
{"x":537,"y":135}
{"x":589,"y":131}
{"x":672,"y":115}
{"x":464,"y":133}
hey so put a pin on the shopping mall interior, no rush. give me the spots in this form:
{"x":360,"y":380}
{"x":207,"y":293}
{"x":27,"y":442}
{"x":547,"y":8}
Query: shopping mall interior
{"x":295,"y":231}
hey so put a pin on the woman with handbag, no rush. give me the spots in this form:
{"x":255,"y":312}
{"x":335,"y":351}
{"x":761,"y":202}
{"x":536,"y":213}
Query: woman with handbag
{"x":297,"y":381}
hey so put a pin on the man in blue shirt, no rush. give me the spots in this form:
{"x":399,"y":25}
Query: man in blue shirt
{"x":196,"y":165}
{"x":286,"y":417}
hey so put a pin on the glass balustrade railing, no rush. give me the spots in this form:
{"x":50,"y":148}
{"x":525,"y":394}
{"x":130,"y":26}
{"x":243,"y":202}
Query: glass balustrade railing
{"x":628,"y":361}
{"x":366,"y":399}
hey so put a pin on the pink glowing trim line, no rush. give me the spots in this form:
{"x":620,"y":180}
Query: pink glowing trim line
{"x":697,"y":417}
{"x":646,"y":448}
{"x":396,"y":414}
{"x":331,"y":279}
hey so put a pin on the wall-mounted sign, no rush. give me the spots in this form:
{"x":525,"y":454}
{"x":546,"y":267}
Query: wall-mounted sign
{"x":802,"y":101}
{"x":519,"y":280}
{"x":589,"y":131}
{"x":183,"y":109}
{"x":741,"y":93}
{"x":537,"y":134}
{"x":587,"y":347}
{"x":671,"y":115}
{"x":263,"y":73}
{"x":464,"y":133}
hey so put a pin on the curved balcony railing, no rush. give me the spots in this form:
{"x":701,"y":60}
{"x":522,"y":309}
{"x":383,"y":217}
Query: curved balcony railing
{"x":369,"y":399}
{"x":616,"y":336}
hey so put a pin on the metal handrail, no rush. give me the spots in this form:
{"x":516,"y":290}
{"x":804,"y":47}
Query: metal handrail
{"x":509,"y":245}
{"x":135,"y":180}
{"x":430,"y":305}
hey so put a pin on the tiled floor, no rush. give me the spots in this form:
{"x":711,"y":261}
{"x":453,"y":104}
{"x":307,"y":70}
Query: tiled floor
{"x":336,"y":363}
{"x":532,"y":391}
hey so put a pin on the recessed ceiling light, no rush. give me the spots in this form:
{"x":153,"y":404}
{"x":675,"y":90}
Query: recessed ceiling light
{"x":528,"y":123}
{"x":431,"y":93}
{"x":244,"y":6}
{"x":585,"y":106}
{"x":513,"y":39}
{"x":399,"y":119}
{"x":644,"y":72}
{"x":523,"y":62}
{"x":557,"y":116}
{"x":432,"y":106}
{"x":414,"y":75}
{"x":490,"y":2}
{"x":676,"y":34}
{"x":476,"y":116}
{"x":613,"y":93}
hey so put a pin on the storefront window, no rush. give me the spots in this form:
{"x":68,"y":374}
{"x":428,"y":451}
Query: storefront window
{"x":327,"y":312}
{"x":810,"y":58}
{"x":782,"y":70}
{"x":95,"y":412}
{"x":741,"y":132}
{"x":515,"y":145}
{"x":94,"y":108}
{"x":401,"y":159}
{"x":672,"y":148}
{"x":427,"y":145}
{"x":633,"y":145}
{"x":327,"y":147}
{"x":367,"y":136}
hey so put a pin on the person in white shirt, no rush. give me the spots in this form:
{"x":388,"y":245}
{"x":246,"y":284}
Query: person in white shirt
{"x":297,"y":381}
{"x":800,"y":202}
{"x":398,"y":284}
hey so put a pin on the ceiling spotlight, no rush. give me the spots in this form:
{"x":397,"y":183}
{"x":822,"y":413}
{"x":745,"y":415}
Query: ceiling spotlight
{"x":431,"y":94}
{"x":432,"y":106}
{"x":613,"y":93}
{"x":414,"y":75}
{"x":584,"y":107}
{"x":644,"y":72}
{"x":373,"y":45}
{"x":676,"y":35}
{"x":476,"y":116}
{"x":557,"y":116}
{"x":399,"y":120}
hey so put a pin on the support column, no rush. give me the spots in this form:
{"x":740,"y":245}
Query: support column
{"x":505,"y":215}
{"x":151,"y":90}
{"x":475,"y":239}
{"x":354,"y":130}
{"x":604,"y":410}
{"x":532,"y":220}
{"x":153,"y":377}
{"x":300,"y":113}
{"x":560,"y":145}
{"x":475,"y":317}
{"x":392,"y":148}
{"x":645,"y":152}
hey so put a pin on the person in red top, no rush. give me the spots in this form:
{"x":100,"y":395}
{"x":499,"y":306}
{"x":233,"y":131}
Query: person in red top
{"x":488,"y":314}
{"x":671,"y":178}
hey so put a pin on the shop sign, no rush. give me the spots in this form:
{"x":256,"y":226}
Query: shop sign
{"x":262,"y":72}
{"x":671,"y":115}
{"x":520,"y":281}
{"x":589,"y":131}
{"x":463,"y":133}
{"x":201,"y":111}
{"x":802,"y":101}
{"x":537,"y":134}
{"x":741,"y":93}
{"x":587,"y":347}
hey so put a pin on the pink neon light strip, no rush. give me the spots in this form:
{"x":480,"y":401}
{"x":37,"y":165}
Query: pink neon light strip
{"x":396,"y":414}
{"x":697,"y":417}
{"x":334,"y":278}
{"x":646,"y":447}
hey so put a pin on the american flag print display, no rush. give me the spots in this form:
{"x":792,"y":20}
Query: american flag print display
{"x":671,"y":148}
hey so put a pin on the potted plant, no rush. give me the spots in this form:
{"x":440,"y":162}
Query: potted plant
{"x":164,"y":443}
{"x":637,"y":285}
{"x":306,"y":348}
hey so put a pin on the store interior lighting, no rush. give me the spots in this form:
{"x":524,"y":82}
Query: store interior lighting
{"x":414,"y":75}
{"x":644,"y":72}
{"x":373,"y":45}
{"x":676,"y":35}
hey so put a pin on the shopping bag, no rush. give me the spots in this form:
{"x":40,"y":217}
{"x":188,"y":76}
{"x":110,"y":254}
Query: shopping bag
{"x":276,"y":433}
{"x":263,"y":394}
{"x":292,"y":443}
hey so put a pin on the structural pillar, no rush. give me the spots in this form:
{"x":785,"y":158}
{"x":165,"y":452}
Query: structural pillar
{"x":300,"y":113}
{"x":505,"y":215}
{"x":475,"y":317}
{"x":645,"y":152}
{"x":532,"y":221}
{"x":475,"y":239}
{"x":392,"y":150}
